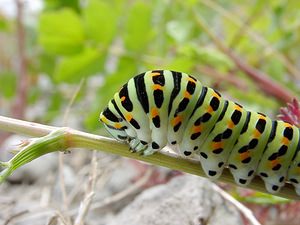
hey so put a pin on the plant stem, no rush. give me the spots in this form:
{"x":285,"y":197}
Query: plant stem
{"x":65,"y":138}
{"x":18,"y":108}
{"x":237,"y":21}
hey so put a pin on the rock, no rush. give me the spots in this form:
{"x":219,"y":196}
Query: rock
{"x":184,"y":200}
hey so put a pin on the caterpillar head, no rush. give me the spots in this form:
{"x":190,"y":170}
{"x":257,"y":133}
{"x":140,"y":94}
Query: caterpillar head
{"x":113,"y":125}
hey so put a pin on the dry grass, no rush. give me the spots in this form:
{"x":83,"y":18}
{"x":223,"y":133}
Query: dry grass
{"x":87,"y":194}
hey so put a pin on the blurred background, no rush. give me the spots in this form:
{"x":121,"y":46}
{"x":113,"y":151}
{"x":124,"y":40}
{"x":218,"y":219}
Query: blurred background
{"x":61,"y":61}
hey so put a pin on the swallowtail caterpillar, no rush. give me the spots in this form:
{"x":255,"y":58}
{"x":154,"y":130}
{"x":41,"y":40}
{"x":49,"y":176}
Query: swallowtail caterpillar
{"x":163,"y":107}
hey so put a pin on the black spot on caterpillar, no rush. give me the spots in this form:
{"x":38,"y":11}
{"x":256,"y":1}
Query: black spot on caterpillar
{"x":161,"y":106}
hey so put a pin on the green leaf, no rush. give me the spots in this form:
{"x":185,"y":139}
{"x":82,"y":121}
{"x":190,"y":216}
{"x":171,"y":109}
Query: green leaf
{"x":179,"y":30}
{"x":138,"y":31}
{"x":73,"y":68}
{"x":183,"y":64}
{"x":91,"y":121}
{"x":127,"y":68}
{"x":46,"y":63}
{"x":3,"y":24}
{"x":61,"y":32}
{"x":213,"y":57}
{"x":55,"y":103}
{"x":10,"y":80}
{"x":100,"y":21}
{"x":56,"y":4}
{"x":275,"y":68}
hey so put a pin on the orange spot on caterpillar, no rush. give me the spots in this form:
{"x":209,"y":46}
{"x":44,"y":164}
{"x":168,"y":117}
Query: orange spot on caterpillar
{"x":128,"y":117}
{"x":154,"y":112}
{"x":123,"y":98}
{"x":237,"y":107}
{"x":244,"y":155}
{"x":230,"y":124}
{"x":209,"y":109}
{"x":256,"y":133}
{"x":157,"y":87}
{"x":191,"y":80}
{"x":176,"y":120}
{"x":216,"y":145}
{"x":118,"y":125}
{"x":285,"y":141}
{"x":196,"y":129}
{"x":187,"y":95}
{"x":154,"y":74}
{"x":216,"y":95}
{"x":274,"y":163}
{"x":103,"y":119}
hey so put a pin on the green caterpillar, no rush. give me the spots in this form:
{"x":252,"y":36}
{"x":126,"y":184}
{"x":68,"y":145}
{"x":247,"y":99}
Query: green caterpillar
{"x":163,"y":107}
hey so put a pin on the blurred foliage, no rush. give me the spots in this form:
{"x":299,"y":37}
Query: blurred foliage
{"x":262,"y":198}
{"x":106,"y":42}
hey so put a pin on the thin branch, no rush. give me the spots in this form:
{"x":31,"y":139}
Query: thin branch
{"x":62,"y":186}
{"x":70,"y":138}
{"x":61,"y":156}
{"x":15,"y":216}
{"x":253,"y":35}
{"x":219,"y":77}
{"x":21,"y":127}
{"x":266,"y":84}
{"x":72,"y":100}
{"x":89,"y":193}
{"x":124,"y":193}
{"x":246,"y":212}
{"x":18,"y":109}
{"x":237,"y":37}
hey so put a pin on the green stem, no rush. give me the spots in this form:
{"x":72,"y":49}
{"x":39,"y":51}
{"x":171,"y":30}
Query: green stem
{"x":54,"y":141}
{"x":61,"y":139}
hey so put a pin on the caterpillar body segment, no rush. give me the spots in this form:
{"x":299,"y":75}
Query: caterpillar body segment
{"x":163,"y":107}
{"x":114,"y":122}
{"x":204,"y":116}
{"x":293,"y":175}
{"x":159,"y":85}
{"x":181,"y":105}
{"x":278,"y":155}
{"x":249,"y":147}
{"x":221,"y":139}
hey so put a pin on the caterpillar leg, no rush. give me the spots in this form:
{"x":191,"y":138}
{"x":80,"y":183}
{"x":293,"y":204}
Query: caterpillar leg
{"x":159,"y":132}
{"x":273,"y":188}
{"x":240,"y":177}
{"x":155,"y":145}
{"x":146,"y":148}
{"x":149,"y":151}
{"x":137,"y":145}
{"x":158,"y":140}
